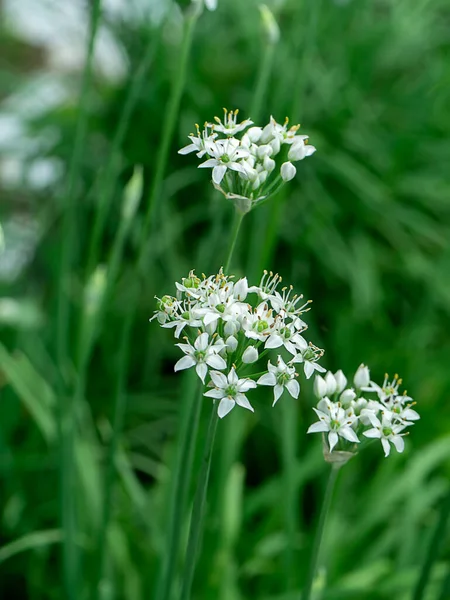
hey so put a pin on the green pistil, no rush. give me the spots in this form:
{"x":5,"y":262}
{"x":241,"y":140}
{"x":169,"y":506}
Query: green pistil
{"x":285,"y":332}
{"x":231,"y":391}
{"x":200,"y":355}
{"x":387,"y":431}
{"x":260,"y":326}
{"x":225,"y":158}
{"x":335,"y":425}
{"x":309,"y":354}
{"x":221,"y":308}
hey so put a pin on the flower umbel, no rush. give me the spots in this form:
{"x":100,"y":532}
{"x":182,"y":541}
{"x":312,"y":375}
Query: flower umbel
{"x":228,"y":325}
{"x":249,"y":163}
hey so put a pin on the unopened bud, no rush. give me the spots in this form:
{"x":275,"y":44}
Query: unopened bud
{"x":288,"y":171}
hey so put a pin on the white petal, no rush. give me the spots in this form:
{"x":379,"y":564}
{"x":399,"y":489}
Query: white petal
{"x":212,"y":162}
{"x":250,"y":355}
{"x":274,"y":341}
{"x":348,"y":434}
{"x":202,"y":371}
{"x":240,"y":289}
{"x":246,"y":384}
{"x":267,"y":379}
{"x":242,"y":401}
{"x":372,"y":433}
{"x":386,"y":446}
{"x":219,"y":379}
{"x":277,"y":392}
{"x":201,"y":343}
{"x":308,"y":368}
{"x":188,"y":149}
{"x":216,"y":362}
{"x":232,"y":377}
{"x":210,"y":317}
{"x":225,"y":406}
{"x":293,"y":387}
{"x":317,"y":427}
{"x":398,"y":442}
{"x":332,"y":439}
{"x":218,"y":173}
{"x":214,"y":393}
{"x":184,"y":363}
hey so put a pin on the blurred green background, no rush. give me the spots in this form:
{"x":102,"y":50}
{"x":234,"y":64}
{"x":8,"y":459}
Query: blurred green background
{"x":363,"y":230}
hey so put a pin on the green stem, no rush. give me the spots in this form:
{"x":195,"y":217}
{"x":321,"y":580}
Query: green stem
{"x":108,"y":179}
{"x":118,"y":418}
{"x":70,"y":551}
{"x":433,"y":549}
{"x":319,"y":532}
{"x":168,"y":126}
{"x":238,"y":217}
{"x":265,"y":69}
{"x":182,"y":480}
{"x":196,"y":527}
{"x":288,"y":449}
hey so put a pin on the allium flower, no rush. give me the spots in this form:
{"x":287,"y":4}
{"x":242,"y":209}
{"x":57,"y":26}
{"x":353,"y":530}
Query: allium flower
{"x":280,"y":377}
{"x":202,"y":354}
{"x":199,"y":141}
{"x":287,"y":171}
{"x":230,"y":391}
{"x":387,"y":431}
{"x":230,"y":126}
{"x":226,"y":153}
{"x":309,"y":355}
{"x":334,"y":421}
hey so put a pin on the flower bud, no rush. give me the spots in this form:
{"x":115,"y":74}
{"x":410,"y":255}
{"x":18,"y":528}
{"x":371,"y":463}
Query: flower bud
{"x":287,"y":171}
{"x":254,"y":133}
{"x":230,"y":328}
{"x":132,"y":194}
{"x":270,"y":25}
{"x":264,"y":150}
{"x":331,"y":383}
{"x":269,"y":164}
{"x":275,"y":145}
{"x":341,"y":381}
{"x":240,"y":289}
{"x":231,"y":344}
{"x":346,"y":397}
{"x":362,"y":377}
{"x":250,"y":355}
{"x":320,"y":387}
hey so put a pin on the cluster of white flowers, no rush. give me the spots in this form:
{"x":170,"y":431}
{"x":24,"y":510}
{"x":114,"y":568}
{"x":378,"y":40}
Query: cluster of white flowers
{"x":248,"y":163}
{"x":229,"y":326}
{"x":366,"y":409}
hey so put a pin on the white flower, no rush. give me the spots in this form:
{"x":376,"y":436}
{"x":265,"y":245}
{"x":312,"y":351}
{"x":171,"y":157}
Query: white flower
{"x":287,"y":304}
{"x":202,"y":354}
{"x":287,"y":336}
{"x":267,"y":286}
{"x":362,"y":377}
{"x":280,"y":376}
{"x":230,"y":391}
{"x":250,"y":355}
{"x":186,"y":315}
{"x":334,"y":421}
{"x":211,"y":4}
{"x":300,"y":149}
{"x":347,"y":397}
{"x":281,"y":133}
{"x":258,"y":324}
{"x":254,"y":134}
{"x":309,"y":355}
{"x":385,"y":392}
{"x":198,"y":141}
{"x":287,"y":171}
{"x":230,"y":125}
{"x":231,"y":344}
{"x":226,"y":153}
{"x":167,"y":308}
{"x":387,"y":432}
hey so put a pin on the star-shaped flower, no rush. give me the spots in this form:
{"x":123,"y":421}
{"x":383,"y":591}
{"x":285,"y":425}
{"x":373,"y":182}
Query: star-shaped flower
{"x":230,"y":390}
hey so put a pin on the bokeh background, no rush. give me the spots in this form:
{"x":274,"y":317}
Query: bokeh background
{"x":363,"y":230}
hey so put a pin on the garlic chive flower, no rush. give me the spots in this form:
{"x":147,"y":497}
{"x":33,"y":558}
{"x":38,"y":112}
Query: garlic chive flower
{"x":370,"y":410}
{"x":228,"y":325}
{"x":249,"y":164}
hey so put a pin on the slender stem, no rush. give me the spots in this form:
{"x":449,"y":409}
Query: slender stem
{"x":288,"y":448}
{"x":118,"y":417}
{"x":319,"y":533}
{"x":70,"y":551}
{"x":168,"y":126}
{"x":433,"y":549}
{"x":265,"y":69}
{"x":182,"y":480}
{"x":196,"y":527}
{"x":238,"y":217}
{"x":108,"y":179}
{"x":445,"y":591}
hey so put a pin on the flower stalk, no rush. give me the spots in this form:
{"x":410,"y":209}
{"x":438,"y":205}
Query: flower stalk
{"x":318,"y":537}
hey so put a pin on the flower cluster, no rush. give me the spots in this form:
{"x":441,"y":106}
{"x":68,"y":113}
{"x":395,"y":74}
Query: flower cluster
{"x":248,"y":163}
{"x":367,"y":409}
{"x":229,"y":326}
